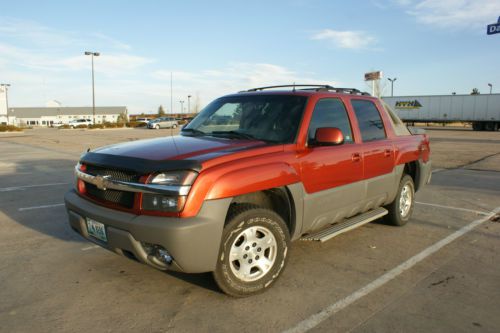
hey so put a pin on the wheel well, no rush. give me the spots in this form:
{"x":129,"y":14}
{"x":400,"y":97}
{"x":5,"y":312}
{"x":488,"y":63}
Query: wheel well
{"x":277,"y":199}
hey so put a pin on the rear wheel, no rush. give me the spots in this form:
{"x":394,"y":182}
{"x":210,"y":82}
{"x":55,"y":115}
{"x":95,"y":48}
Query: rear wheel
{"x":401,"y":208}
{"x":253,"y":251}
{"x":157,"y":127}
{"x":174,"y":126}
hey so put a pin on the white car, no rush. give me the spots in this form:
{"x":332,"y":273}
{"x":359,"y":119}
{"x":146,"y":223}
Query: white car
{"x":143,"y":120}
{"x":77,"y":122}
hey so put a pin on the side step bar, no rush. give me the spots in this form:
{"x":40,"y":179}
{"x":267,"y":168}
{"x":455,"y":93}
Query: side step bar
{"x":346,"y":225}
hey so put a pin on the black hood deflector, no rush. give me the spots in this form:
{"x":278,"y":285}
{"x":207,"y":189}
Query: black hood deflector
{"x":139,"y":165}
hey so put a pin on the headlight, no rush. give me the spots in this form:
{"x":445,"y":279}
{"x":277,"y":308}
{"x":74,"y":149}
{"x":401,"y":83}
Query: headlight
{"x":174,"y":178}
{"x":168,"y":203}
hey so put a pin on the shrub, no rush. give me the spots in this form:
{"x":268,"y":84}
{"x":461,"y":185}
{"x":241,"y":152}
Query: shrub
{"x":81,"y":126}
{"x":65,"y":126}
{"x":135,"y":124}
{"x":9,"y":128}
{"x":95,"y":126}
{"x":110,"y":125}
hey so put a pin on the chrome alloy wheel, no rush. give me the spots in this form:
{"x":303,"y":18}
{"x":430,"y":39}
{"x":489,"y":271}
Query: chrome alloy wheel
{"x":405,"y":200}
{"x":253,"y":253}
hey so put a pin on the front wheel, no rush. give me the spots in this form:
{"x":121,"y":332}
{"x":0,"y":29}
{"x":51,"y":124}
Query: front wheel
{"x":401,"y":208}
{"x":157,"y":127}
{"x":253,"y":251}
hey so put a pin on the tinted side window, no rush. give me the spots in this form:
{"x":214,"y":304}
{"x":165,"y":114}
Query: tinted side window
{"x":330,"y":112}
{"x":369,"y":120}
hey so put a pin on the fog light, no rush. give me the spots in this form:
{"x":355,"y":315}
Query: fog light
{"x":158,"y":252}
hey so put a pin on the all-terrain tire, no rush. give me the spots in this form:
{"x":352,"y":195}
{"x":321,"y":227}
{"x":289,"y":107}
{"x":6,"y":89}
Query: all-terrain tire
{"x":254,"y":241}
{"x":401,"y":208}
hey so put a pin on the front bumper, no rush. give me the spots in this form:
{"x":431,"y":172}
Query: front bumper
{"x":193,"y":242}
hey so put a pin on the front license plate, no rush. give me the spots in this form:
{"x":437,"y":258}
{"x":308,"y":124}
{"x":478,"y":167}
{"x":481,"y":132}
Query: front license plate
{"x":96,"y":229}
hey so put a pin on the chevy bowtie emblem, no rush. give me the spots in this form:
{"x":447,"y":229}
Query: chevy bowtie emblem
{"x":101,"y":181}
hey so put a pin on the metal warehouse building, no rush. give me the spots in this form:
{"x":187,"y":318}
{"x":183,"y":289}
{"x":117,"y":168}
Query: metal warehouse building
{"x":46,"y":116}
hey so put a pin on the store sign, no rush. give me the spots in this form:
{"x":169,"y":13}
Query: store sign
{"x":372,"y":76}
{"x":408,"y":105}
{"x":493,"y":28}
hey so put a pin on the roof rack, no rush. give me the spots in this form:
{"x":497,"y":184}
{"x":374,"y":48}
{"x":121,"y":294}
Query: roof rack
{"x":313,"y":87}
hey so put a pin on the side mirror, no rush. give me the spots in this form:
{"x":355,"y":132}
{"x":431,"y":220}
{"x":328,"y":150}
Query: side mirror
{"x":328,"y":136}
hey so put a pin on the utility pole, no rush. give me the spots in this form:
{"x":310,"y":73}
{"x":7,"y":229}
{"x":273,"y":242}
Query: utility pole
{"x":6,"y":87}
{"x":491,"y":87}
{"x":392,"y":85}
{"x":92,"y":55}
{"x":189,"y":103}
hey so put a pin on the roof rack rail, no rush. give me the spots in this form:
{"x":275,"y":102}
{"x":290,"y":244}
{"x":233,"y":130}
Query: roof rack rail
{"x":313,"y":87}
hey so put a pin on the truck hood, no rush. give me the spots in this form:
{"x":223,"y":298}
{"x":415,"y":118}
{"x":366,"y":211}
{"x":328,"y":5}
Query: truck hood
{"x":169,"y":153}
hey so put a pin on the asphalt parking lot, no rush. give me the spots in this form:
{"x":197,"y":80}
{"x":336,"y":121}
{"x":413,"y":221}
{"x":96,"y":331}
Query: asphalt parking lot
{"x":440,"y":273}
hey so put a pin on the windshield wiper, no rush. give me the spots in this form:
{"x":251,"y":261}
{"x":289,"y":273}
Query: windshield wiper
{"x":235,"y":134}
{"x":193,"y":131}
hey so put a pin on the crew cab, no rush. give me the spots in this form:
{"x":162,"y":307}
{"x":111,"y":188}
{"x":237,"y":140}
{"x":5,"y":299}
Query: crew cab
{"x":251,"y":173}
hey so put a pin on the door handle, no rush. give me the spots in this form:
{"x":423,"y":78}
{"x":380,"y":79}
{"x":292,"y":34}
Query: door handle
{"x":356,"y":157}
{"x":387,"y":153}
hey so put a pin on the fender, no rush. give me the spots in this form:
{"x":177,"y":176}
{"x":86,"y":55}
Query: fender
{"x":253,"y":179}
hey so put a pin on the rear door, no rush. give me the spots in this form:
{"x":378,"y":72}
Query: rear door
{"x":377,"y":151}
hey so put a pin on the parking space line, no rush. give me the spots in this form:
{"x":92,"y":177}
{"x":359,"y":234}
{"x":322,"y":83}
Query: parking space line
{"x":18,"y":188}
{"x":453,"y":208}
{"x":437,"y":170}
{"x":40,"y":207}
{"x":327,"y":312}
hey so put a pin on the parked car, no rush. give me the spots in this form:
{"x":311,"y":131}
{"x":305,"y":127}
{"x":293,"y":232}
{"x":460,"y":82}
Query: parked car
{"x":229,"y":196}
{"x":143,"y":120}
{"x":163,"y":122}
{"x":76,"y":122}
{"x":57,"y":124}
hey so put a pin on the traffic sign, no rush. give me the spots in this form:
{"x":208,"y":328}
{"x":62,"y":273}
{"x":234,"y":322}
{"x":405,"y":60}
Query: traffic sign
{"x":493,"y":28}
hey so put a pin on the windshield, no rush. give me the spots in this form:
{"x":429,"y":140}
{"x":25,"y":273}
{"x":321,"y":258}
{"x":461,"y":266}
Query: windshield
{"x":273,"y":118}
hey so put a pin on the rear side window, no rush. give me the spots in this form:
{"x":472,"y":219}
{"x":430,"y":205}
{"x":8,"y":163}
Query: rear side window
{"x":330,"y":112}
{"x":369,"y":120}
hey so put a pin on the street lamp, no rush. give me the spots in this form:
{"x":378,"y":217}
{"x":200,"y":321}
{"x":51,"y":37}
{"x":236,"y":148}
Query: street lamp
{"x":491,"y":87}
{"x":182,"y":106}
{"x":6,"y":88}
{"x":392,"y":85}
{"x":92,"y":55}
{"x":189,"y":103}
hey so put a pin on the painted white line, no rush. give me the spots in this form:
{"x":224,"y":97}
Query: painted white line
{"x":40,"y":207}
{"x":17,"y":188}
{"x":453,"y":208}
{"x":324,"y":314}
{"x":437,"y":170}
{"x":90,"y":247}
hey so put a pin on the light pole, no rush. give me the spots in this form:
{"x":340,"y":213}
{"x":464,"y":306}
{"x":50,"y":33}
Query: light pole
{"x":182,"y":106}
{"x":189,"y":103}
{"x":491,"y":87}
{"x":92,"y":55}
{"x":6,"y":87}
{"x":392,"y":85}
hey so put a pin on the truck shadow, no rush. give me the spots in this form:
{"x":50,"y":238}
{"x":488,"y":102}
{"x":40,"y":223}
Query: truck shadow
{"x":31,"y":194}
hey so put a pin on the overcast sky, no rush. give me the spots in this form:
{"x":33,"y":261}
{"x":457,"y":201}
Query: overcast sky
{"x":219,"y":47}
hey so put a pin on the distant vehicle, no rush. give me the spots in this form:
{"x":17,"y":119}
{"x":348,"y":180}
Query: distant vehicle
{"x":163,"y":122}
{"x":143,"y":120}
{"x":483,"y":111}
{"x":57,"y":123}
{"x":78,"y":122}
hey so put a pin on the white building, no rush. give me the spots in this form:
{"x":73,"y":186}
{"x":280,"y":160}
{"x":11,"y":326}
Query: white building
{"x":46,"y":116}
{"x":3,"y":106}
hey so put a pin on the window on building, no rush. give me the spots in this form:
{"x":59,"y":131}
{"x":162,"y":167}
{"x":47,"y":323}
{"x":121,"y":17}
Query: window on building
{"x":369,"y":120}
